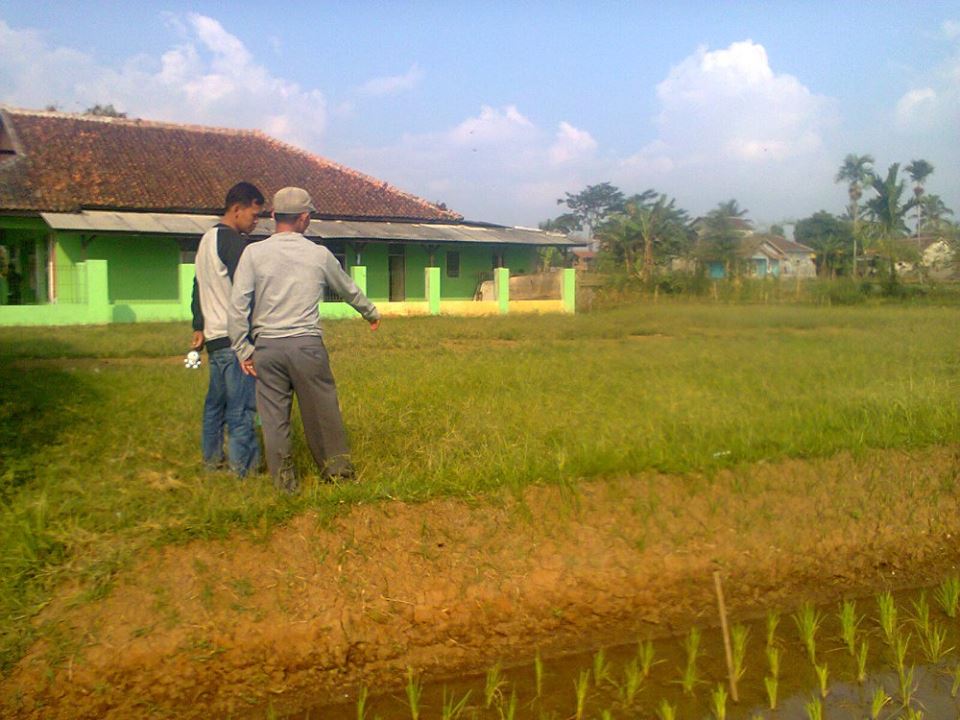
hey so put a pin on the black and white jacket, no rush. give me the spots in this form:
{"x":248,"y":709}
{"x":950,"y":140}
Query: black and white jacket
{"x":217,"y":258}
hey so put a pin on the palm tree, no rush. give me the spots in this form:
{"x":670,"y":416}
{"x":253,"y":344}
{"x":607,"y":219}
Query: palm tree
{"x":731,"y":208}
{"x":887,"y":208}
{"x":856,"y":171}
{"x":889,"y":214}
{"x":919,"y":171}
{"x":934,"y":213}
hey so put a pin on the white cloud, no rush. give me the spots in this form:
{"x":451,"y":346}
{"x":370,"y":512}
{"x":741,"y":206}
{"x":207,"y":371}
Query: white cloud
{"x":933,"y":105}
{"x":915,"y":106}
{"x":497,"y":165}
{"x":393,"y":84}
{"x":729,"y":105}
{"x":492,"y":126}
{"x":571,"y":144}
{"x":209,"y":78}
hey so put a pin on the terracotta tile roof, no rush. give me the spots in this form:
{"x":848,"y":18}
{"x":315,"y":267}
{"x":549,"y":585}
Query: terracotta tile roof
{"x":65,"y":162}
{"x":787,"y":246}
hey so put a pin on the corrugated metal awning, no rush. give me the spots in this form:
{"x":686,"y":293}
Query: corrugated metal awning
{"x":104,"y":221}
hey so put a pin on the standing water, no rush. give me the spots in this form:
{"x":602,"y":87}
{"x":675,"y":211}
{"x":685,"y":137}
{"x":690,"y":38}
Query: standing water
{"x":888,"y":656}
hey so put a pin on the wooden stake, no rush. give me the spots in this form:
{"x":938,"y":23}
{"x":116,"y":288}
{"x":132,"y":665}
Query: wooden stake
{"x":726,"y":636}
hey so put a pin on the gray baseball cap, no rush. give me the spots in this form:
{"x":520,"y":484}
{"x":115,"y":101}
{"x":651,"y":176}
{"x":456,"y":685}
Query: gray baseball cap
{"x":292,"y":201}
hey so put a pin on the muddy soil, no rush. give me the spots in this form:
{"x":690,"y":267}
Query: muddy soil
{"x":305,"y":614}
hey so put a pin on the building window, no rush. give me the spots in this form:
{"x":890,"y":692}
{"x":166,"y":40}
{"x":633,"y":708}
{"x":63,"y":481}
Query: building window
{"x":328,"y":294}
{"x":453,"y":263}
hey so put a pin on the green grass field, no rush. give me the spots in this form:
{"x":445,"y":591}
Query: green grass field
{"x":99,"y":429}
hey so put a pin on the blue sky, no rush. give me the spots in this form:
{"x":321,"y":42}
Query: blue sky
{"x":499,"y":108}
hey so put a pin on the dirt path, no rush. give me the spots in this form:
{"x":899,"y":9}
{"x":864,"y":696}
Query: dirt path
{"x":306,"y":614}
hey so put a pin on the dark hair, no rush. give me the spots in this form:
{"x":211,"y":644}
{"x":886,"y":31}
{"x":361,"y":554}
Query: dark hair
{"x":286,"y":217}
{"x":243,"y":194}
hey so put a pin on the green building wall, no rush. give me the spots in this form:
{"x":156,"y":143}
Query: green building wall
{"x":103,"y":278}
{"x":140,"y":268}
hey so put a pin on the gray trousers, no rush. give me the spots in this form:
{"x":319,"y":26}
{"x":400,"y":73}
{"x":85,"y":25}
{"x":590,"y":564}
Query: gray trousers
{"x":300,"y":365}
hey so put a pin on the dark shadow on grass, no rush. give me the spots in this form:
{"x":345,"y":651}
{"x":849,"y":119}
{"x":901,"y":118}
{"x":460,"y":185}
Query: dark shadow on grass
{"x":37,"y":405}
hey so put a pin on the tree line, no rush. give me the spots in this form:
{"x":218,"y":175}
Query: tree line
{"x":644,"y":234}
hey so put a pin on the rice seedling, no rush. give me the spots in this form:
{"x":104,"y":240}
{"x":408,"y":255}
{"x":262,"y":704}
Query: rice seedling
{"x":601,"y":668}
{"x":888,"y":615}
{"x":606,"y":714}
{"x":666,"y":711}
{"x":581,"y":685}
{"x":773,"y":660}
{"x":862,"y":661}
{"x":907,"y":686}
{"x":691,"y":645}
{"x":645,"y":654}
{"x":452,"y":707}
{"x":414,"y":688}
{"x":739,"y":635}
{"x":362,"y":703}
{"x":632,"y":680}
{"x":718,"y":701}
{"x":808,"y":620}
{"x":823,"y":678}
{"x":849,"y":624}
{"x":814,"y":709}
{"x":934,"y":642}
{"x":898,"y":649}
{"x":947,"y":595}
{"x":538,"y":673}
{"x":493,"y":686}
{"x":511,"y":711}
{"x":878,"y":702}
{"x":955,"y":687}
{"x":921,"y":614}
{"x":913,"y":714}
{"x":773,"y":620}
{"x":771,"y":684}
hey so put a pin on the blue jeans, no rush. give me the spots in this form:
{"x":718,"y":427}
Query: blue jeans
{"x":230,"y":403}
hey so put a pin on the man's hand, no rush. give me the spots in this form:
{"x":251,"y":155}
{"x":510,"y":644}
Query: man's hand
{"x":375,"y":324}
{"x":247,"y":367}
{"x":197,"y":341}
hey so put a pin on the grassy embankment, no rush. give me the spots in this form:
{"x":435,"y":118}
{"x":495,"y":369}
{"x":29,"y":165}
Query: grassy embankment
{"x":99,"y":458}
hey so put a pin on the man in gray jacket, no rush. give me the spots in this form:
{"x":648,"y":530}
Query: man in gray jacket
{"x":274,"y":326}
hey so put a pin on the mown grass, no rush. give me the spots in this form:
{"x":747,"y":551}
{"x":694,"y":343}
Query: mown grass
{"x":99,"y":457}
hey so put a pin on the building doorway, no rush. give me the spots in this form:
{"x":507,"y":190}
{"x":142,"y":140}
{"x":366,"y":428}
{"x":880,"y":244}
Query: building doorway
{"x":398,"y":270}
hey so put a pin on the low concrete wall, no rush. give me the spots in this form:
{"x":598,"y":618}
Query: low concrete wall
{"x":551,"y":292}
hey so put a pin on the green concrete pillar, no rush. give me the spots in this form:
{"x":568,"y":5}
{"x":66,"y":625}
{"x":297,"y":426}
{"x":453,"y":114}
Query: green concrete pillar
{"x":98,"y":292}
{"x":431,"y":281}
{"x":568,"y":290}
{"x":187,"y":272}
{"x":359,"y":275}
{"x":501,"y":286}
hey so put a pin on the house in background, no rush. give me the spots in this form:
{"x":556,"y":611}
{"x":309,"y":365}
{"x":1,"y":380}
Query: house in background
{"x":778,"y":257}
{"x":773,"y":256}
{"x":934,"y":257}
{"x":100,"y":218}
